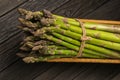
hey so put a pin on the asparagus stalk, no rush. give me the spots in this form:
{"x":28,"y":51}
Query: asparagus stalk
{"x":92,"y":47}
{"x":89,"y":25}
{"x":66,"y":32}
{"x":70,"y":52}
{"x":76,"y":48}
{"x":31,"y":59}
{"x":54,"y":50}
{"x":103,"y":43}
{"x":93,"y":33}
{"x":114,"y":37}
{"x":58,"y":54}
{"x":92,"y":25}
{"x":107,"y":44}
{"x":77,"y":36}
{"x":51,"y":49}
{"x":101,"y":50}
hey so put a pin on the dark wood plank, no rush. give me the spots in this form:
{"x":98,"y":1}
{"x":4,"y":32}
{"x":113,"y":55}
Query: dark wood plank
{"x":54,"y":71}
{"x":115,"y":77}
{"x":74,"y":71}
{"x":8,"y":53}
{"x":79,"y":8}
{"x":9,"y":32}
{"x":65,"y":10}
{"x":101,"y":72}
{"x":10,"y":36}
{"x":8,"y":5}
{"x":109,"y":11}
{"x":23,"y":71}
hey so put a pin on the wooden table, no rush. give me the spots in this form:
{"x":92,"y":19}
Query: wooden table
{"x":12,"y":67}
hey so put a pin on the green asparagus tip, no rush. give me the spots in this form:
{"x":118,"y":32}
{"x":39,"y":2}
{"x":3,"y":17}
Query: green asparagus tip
{"x":29,"y":38}
{"x":21,"y":20}
{"x":28,"y":14}
{"x":30,"y":44}
{"x":28,"y":23}
{"x":37,"y":48}
{"x":22,"y":11}
{"x":47,"y":13}
{"x":30,"y":59}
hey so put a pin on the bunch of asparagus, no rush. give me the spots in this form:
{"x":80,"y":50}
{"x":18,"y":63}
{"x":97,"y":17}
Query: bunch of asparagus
{"x":50,"y":36}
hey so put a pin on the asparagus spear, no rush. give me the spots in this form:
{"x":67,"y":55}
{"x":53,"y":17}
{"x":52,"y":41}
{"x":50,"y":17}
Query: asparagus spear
{"x":103,"y":43}
{"x":31,"y":59}
{"x":100,"y":50}
{"x":47,"y":26}
{"x":73,"y":47}
{"x":92,"y":40}
{"x":54,"y":50}
{"x":77,"y":36}
{"x":89,"y":25}
{"x":114,"y":37}
{"x":92,"y":25}
{"x":97,"y":34}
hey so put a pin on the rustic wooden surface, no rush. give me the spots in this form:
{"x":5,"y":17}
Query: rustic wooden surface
{"x":11,"y":66}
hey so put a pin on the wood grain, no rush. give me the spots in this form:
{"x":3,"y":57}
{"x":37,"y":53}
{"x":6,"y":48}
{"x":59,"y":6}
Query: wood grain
{"x":54,"y":71}
{"x":79,"y":8}
{"x":101,"y":72}
{"x":12,"y":68}
{"x":23,"y":71}
{"x":8,"y":5}
{"x":108,"y":11}
{"x":74,"y":71}
{"x":12,"y":36}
